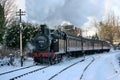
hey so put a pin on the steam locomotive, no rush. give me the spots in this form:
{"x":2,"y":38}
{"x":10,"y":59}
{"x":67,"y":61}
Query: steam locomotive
{"x":51,"y":45}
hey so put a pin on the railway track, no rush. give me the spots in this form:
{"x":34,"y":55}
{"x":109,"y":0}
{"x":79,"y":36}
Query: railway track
{"x":91,"y":63}
{"x":52,"y":77}
{"x":16,"y":70}
{"x":30,"y":72}
{"x":87,"y":67}
{"x":64,"y":69}
{"x":42,"y":68}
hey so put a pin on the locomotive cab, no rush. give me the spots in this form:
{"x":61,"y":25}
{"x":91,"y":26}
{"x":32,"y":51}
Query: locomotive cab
{"x":54,"y":47}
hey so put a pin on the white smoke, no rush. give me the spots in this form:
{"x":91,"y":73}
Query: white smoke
{"x":54,"y":12}
{"x":30,"y":46}
{"x":89,"y":29}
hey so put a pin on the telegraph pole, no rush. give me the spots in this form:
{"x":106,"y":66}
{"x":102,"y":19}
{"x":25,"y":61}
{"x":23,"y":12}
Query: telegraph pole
{"x":20,"y":13}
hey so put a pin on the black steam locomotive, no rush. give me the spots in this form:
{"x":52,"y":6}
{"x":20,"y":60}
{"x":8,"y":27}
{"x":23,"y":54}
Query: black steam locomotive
{"x":52,"y":45}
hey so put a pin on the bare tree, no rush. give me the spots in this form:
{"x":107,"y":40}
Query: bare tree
{"x":109,"y":28}
{"x":9,"y":8}
{"x":95,"y":23}
{"x":7,"y":15}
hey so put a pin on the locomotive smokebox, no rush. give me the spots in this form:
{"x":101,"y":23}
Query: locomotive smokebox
{"x":44,"y":29}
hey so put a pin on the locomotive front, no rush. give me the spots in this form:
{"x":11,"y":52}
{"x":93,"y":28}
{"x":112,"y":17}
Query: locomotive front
{"x":42,"y":43}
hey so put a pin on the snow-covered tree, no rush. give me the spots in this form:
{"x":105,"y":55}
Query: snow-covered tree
{"x":13,"y":34}
{"x":2,"y":21}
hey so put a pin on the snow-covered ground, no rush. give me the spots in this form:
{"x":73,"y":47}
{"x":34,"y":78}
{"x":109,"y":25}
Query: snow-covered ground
{"x":17,"y":65}
{"x":104,"y":67}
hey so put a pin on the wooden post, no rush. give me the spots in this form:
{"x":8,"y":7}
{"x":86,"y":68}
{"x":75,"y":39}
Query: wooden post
{"x":20,"y":13}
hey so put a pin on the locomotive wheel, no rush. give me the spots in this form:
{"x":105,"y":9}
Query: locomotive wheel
{"x":52,"y":61}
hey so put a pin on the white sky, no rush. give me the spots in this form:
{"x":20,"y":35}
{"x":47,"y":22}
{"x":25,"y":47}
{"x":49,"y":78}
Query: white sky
{"x":78,"y":12}
{"x":21,"y":4}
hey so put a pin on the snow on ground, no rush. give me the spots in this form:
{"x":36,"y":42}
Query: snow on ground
{"x":47,"y":73}
{"x":17,"y":73}
{"x":105,"y":67}
{"x":101,"y":69}
{"x":17,"y":65}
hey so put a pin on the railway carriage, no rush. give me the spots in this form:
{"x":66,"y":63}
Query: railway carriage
{"x":74,"y":45}
{"x":52,"y":45}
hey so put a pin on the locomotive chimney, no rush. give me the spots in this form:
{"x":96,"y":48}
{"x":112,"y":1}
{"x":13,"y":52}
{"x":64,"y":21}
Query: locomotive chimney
{"x":44,"y":29}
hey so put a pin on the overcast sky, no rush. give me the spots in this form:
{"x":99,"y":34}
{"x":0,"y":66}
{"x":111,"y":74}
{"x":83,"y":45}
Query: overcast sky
{"x":78,"y":12}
